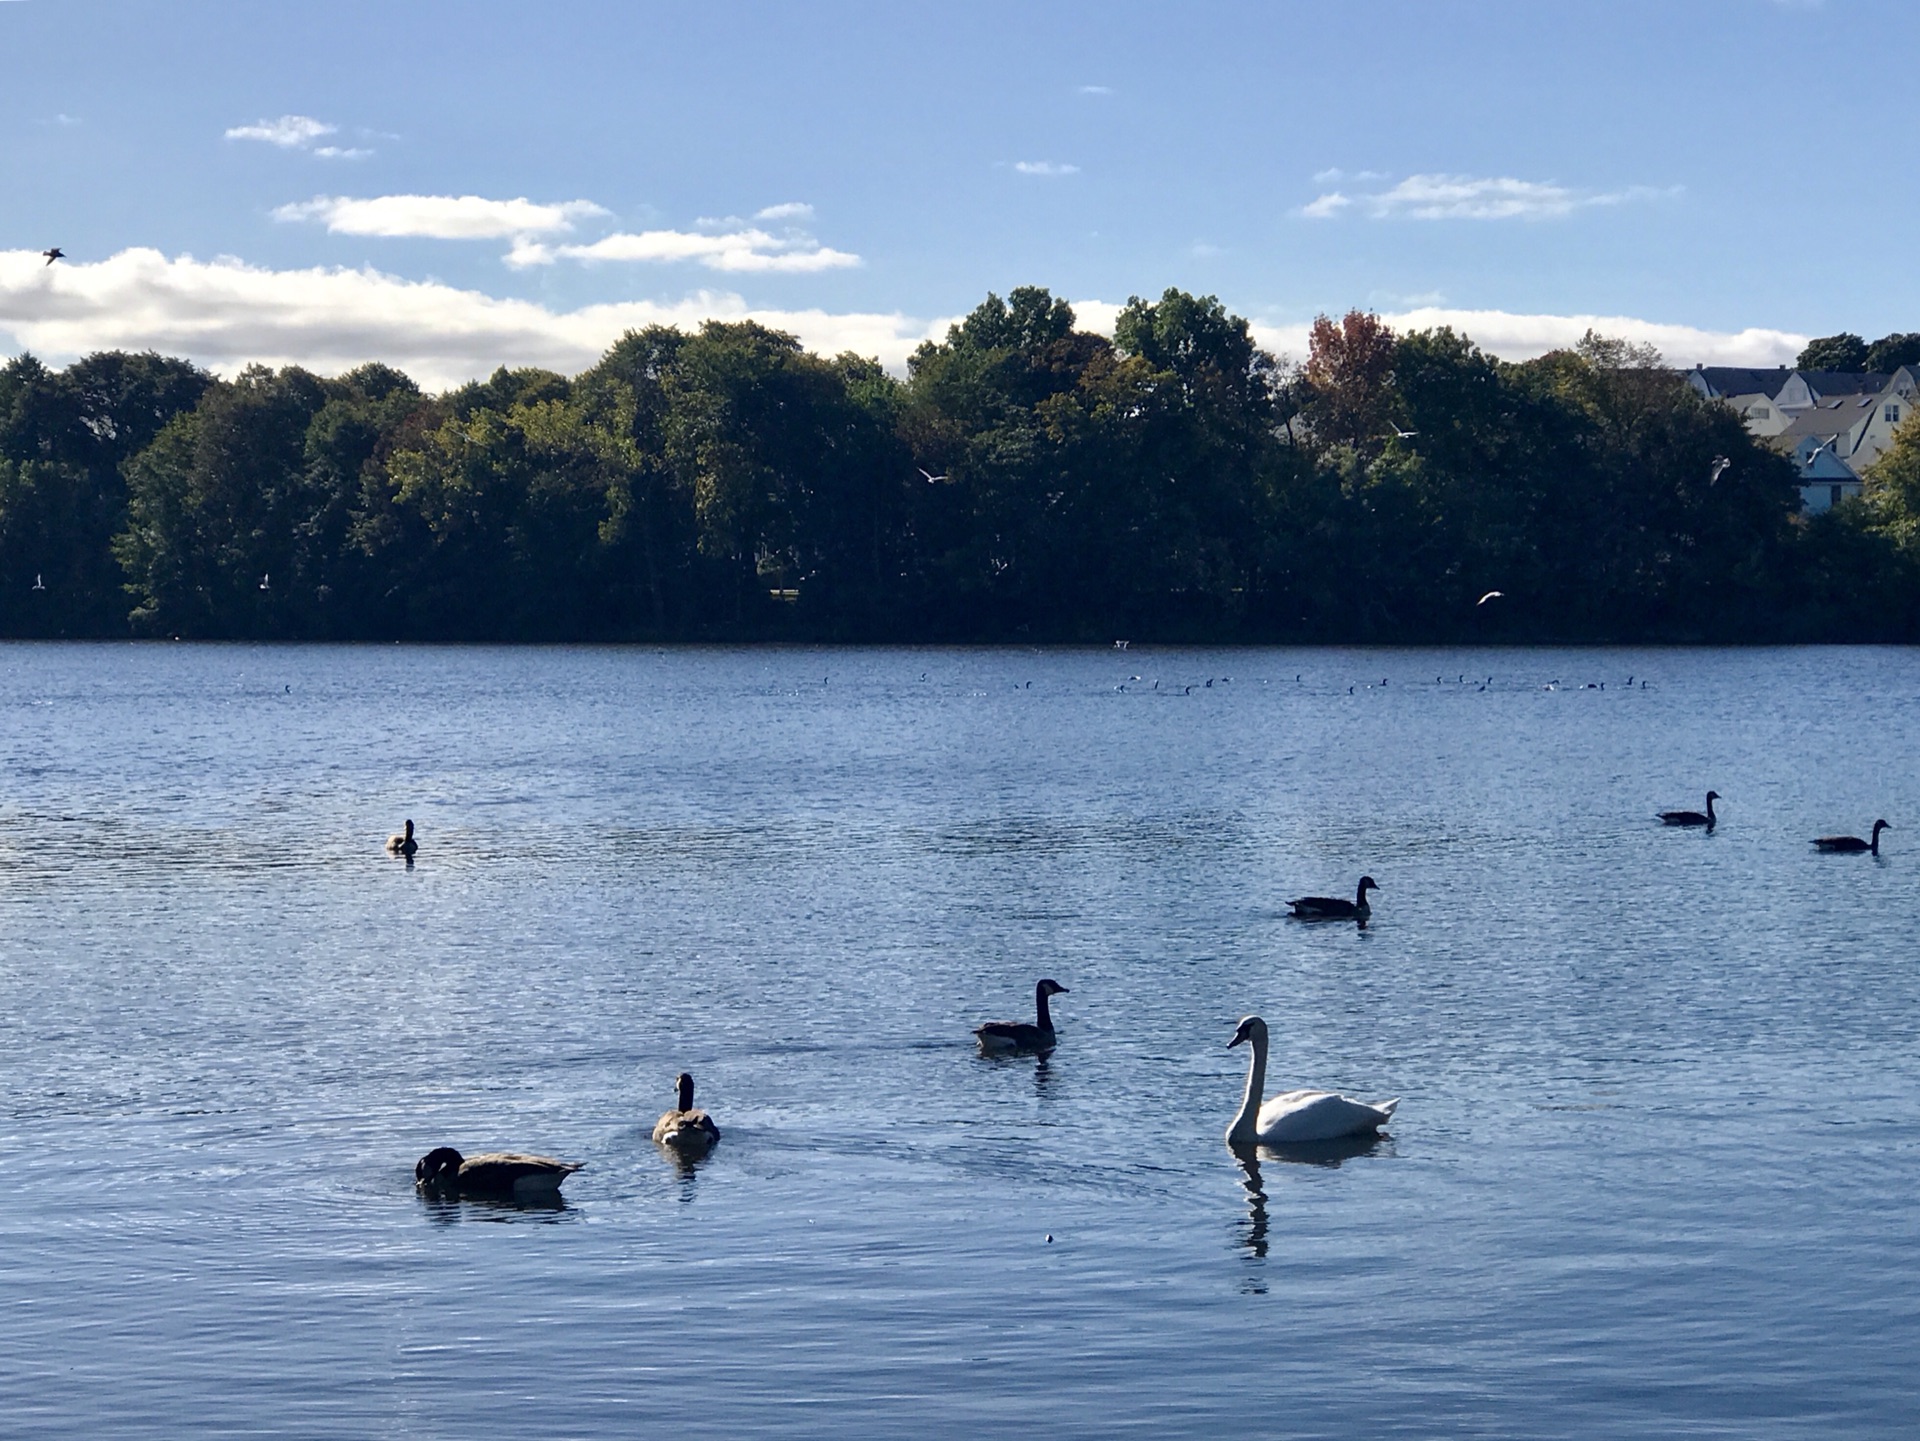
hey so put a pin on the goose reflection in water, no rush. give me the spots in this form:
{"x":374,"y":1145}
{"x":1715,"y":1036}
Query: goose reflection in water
{"x":445,"y":1210}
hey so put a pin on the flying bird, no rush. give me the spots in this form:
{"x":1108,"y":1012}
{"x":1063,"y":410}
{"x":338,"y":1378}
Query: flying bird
{"x":1491,"y":595}
{"x":54,"y":254}
{"x":933,"y":479}
{"x":1720,"y":464}
{"x":266,"y":581}
{"x":38,"y":583}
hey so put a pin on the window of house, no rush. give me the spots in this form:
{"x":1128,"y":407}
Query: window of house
{"x":1893,"y":414}
{"x":1835,"y":495}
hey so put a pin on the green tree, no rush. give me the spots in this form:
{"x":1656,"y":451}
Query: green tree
{"x":1890,"y":352}
{"x":1845,"y":351}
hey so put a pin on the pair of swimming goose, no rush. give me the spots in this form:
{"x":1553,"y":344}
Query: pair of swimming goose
{"x":1833,"y":845}
{"x":518,"y":1176}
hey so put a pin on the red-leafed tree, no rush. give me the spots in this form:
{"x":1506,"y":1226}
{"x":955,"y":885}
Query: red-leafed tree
{"x":1349,"y":377}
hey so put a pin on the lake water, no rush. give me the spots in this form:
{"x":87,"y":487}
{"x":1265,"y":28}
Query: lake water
{"x":1653,"y":1173}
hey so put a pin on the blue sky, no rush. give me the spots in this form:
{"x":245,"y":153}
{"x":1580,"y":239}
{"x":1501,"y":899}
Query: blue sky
{"x":327,"y":183}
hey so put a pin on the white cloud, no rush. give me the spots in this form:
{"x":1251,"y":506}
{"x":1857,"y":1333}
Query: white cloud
{"x":792,"y":210}
{"x":739,"y":251}
{"x":227,"y":314}
{"x":439,"y":217}
{"x":1468,"y":197}
{"x":341,"y":152}
{"x":1326,"y":207}
{"x":1335,"y":174}
{"x":290,"y":132}
{"x":1514,"y":336}
{"x":1044,"y":167}
{"x":1095,"y":90}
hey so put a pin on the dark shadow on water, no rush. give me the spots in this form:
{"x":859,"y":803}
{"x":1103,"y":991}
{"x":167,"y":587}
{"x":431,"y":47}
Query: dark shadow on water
{"x":444,"y":1210}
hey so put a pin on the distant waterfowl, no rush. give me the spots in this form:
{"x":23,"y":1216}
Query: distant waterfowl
{"x":1694,"y":818}
{"x":500,"y":1174}
{"x":1720,"y":464}
{"x":1491,"y":595}
{"x":38,"y":583}
{"x":1849,"y":845}
{"x":932,"y":479}
{"x":685,"y":1129}
{"x":1294,"y":1117}
{"x":1003,"y":1036}
{"x":1332,"y":908}
{"x":403,"y":844}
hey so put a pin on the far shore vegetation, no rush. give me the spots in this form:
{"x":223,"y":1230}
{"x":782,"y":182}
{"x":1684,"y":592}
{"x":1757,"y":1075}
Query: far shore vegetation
{"x":1025,"y":481}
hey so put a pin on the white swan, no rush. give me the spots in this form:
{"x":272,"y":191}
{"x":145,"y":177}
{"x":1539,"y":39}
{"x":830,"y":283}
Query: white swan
{"x":1295,"y":1116}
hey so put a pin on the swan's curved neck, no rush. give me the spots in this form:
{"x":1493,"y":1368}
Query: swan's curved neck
{"x":1042,"y":1016}
{"x":1245,"y":1130}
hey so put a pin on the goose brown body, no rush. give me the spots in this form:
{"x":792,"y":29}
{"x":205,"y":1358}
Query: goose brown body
{"x":403,"y":844}
{"x":1851,"y":845}
{"x":508,"y":1174}
{"x":1037,"y":1035}
{"x":1332,"y":908}
{"x":1693,"y":818}
{"x":684,"y":1128}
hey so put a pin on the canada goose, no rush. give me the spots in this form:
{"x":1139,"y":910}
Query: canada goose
{"x":1851,"y":844}
{"x":1005,"y":1036}
{"x":683,"y":1128}
{"x":403,"y":844}
{"x":1694,"y":818}
{"x":444,"y":1171}
{"x":1293,"y":1117}
{"x":1331,"y":908}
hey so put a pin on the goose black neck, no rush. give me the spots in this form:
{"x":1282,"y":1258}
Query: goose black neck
{"x":686,"y":1092}
{"x":1041,"y":1014}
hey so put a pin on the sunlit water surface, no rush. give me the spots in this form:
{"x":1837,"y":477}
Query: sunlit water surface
{"x":1654,"y":1173}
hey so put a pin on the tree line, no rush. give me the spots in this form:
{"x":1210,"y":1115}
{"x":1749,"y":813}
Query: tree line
{"x":1025,"y":480}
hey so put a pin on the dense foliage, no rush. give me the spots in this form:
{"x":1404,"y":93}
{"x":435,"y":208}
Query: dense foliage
{"x":1025,"y":479}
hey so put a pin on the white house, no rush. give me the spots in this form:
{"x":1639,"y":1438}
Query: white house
{"x":1825,"y":479}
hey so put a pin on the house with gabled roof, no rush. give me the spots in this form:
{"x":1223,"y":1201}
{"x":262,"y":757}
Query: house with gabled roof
{"x":1749,"y":390}
{"x":1825,"y":479}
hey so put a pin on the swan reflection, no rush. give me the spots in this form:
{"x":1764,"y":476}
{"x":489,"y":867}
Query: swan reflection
{"x":1255,"y":1239}
{"x":1326,"y":1154}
